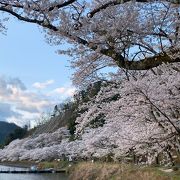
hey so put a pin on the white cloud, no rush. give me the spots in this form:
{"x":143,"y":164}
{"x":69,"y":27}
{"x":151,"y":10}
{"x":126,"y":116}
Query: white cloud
{"x":42,"y":85}
{"x":28,"y":118}
{"x":70,"y":91}
{"x":19,"y":105}
{"x":8,"y":84}
{"x":6,"y":111}
{"x":64,"y":92}
{"x":59,"y":90}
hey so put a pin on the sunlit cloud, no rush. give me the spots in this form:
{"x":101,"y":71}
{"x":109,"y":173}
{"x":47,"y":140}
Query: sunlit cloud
{"x":64,"y":92}
{"x":43,"y":85}
{"x":20,"y":105}
{"x":6,"y":112}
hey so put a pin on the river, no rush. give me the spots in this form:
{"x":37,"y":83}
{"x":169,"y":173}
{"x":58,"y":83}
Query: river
{"x":58,"y":176}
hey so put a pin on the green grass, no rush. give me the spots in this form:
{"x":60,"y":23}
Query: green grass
{"x":115,"y":171}
{"x":53,"y":164}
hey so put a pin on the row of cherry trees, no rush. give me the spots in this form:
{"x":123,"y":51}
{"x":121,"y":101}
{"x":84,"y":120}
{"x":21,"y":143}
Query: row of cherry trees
{"x":139,"y":115}
{"x":134,"y":117}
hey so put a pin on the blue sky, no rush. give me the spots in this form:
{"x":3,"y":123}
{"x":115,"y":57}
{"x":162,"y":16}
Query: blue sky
{"x":31,"y":72}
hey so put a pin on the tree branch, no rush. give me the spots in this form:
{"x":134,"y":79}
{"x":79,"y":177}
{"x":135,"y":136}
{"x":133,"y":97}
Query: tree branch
{"x":35,"y":21}
{"x":58,"y":6}
{"x":117,"y":2}
{"x":146,"y":63}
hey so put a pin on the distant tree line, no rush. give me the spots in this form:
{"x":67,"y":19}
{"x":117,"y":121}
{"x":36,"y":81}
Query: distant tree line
{"x":18,"y":133}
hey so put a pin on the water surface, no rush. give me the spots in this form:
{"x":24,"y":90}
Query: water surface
{"x":48,"y":176}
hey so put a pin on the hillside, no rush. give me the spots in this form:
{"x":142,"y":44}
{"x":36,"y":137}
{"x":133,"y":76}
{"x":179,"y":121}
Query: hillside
{"x":52,"y":125}
{"x":5,"y":129}
{"x":65,"y":114}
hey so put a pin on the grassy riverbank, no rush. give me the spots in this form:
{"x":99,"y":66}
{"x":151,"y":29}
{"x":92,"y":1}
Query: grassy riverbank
{"x":113,"y":171}
{"x":57,"y":165}
{"x":104,"y":171}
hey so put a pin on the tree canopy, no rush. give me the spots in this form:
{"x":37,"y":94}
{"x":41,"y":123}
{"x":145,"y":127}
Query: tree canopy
{"x":133,"y":35}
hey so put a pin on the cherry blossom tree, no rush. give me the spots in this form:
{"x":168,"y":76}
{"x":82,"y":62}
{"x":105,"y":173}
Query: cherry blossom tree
{"x":45,"y":146}
{"x":134,"y":35}
{"x":141,"y":116}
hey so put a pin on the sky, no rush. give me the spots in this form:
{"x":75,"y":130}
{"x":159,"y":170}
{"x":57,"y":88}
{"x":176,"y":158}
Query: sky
{"x":33,"y":77}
